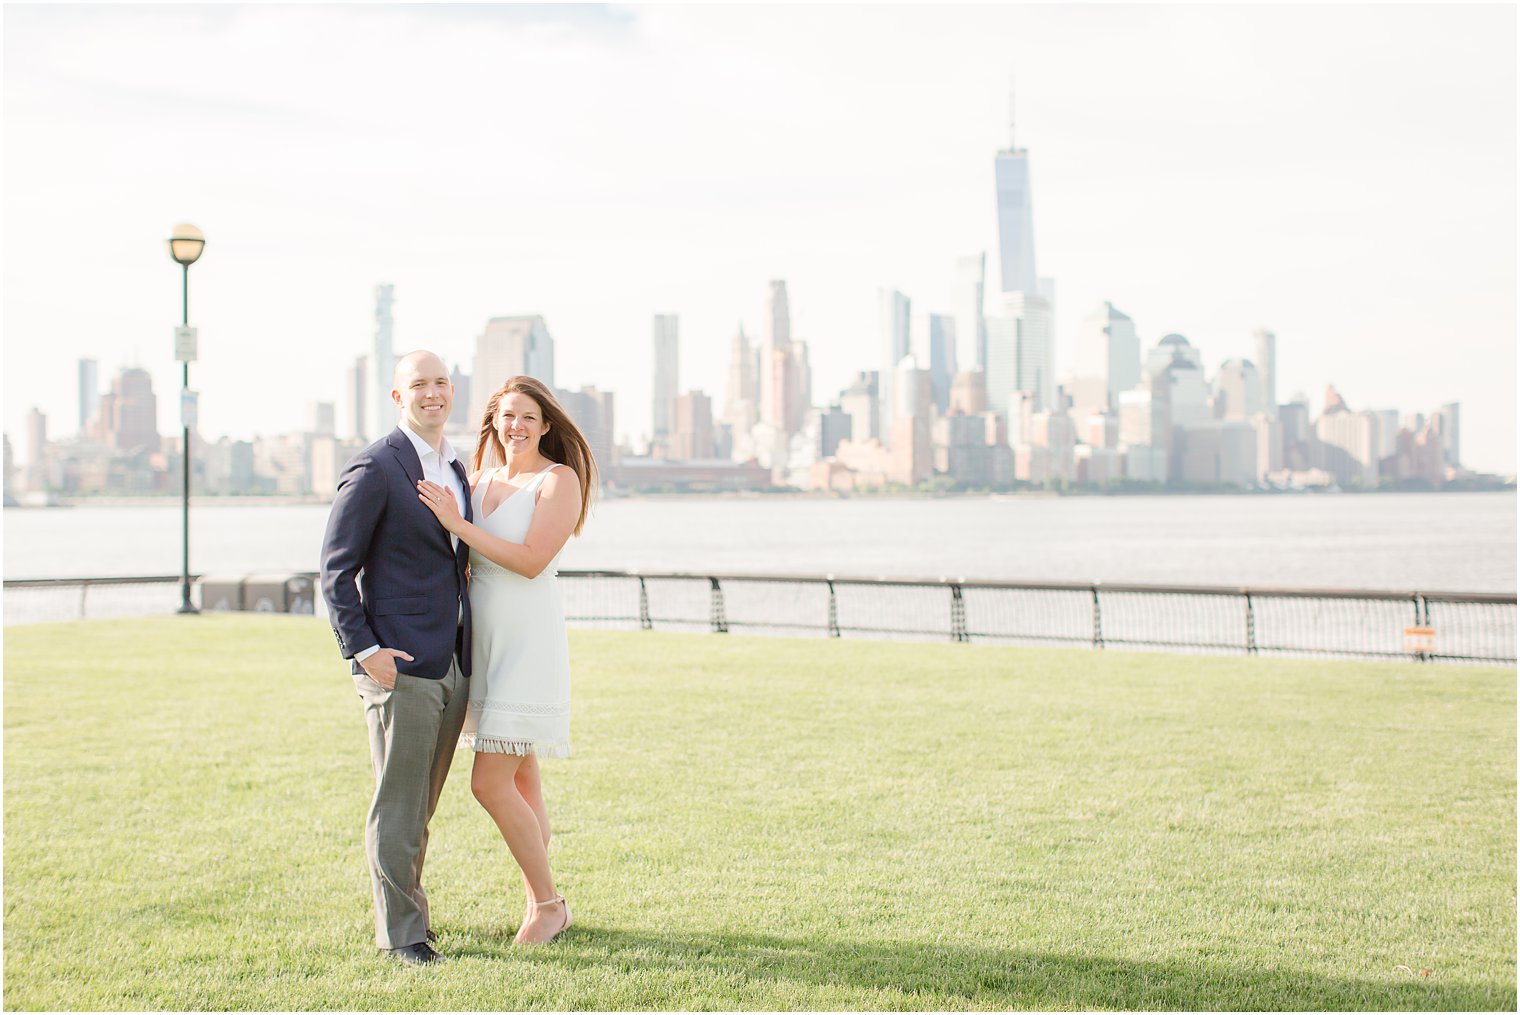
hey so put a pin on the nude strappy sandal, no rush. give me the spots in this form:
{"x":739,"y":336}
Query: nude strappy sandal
{"x":518,"y":940}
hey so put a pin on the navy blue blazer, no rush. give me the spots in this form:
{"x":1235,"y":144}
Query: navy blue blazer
{"x":384,"y":542}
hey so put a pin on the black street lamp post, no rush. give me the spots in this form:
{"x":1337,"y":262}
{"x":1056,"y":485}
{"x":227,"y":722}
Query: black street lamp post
{"x":185,"y":247}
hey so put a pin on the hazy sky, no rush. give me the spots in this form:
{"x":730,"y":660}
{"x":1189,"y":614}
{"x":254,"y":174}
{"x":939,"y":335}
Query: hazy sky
{"x":1343,"y":175}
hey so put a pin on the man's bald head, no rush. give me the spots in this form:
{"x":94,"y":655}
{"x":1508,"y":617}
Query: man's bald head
{"x":422,"y":389}
{"x":417,"y":360}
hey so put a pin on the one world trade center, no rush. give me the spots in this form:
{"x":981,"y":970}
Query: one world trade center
{"x":1021,"y":329}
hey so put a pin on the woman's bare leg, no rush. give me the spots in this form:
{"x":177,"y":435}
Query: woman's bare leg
{"x":494,"y":783}
{"x":528,"y":785}
{"x":532,"y":791}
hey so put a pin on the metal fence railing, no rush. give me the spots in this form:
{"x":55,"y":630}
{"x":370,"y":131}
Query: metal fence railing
{"x":1352,"y":623}
{"x":44,"y":600}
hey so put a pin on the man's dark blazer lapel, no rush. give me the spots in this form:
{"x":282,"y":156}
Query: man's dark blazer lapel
{"x":405,"y":454}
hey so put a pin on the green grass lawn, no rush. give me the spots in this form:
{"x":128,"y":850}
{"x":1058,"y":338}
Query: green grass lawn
{"x":768,"y":823}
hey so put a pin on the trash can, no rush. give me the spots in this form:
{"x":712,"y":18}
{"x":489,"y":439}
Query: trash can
{"x":221,"y":592}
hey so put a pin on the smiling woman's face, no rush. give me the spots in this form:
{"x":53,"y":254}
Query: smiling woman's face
{"x":519,"y":423}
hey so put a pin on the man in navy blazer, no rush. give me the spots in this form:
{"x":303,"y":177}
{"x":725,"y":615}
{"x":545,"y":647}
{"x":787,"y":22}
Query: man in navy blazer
{"x":394,"y":581}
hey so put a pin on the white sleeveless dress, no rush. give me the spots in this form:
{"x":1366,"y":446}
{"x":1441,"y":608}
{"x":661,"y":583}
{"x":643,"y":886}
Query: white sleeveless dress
{"x":519,"y":655}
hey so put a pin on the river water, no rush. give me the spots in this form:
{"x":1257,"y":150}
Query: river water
{"x":1458,"y":541}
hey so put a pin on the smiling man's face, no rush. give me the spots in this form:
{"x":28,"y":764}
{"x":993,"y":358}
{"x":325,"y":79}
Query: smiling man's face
{"x":424,"y":392}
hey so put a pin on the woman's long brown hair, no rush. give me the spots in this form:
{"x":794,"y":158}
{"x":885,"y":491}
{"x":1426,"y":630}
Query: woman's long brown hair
{"x":563,"y":442}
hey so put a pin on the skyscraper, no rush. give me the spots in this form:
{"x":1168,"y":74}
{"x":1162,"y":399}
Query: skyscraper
{"x":1145,"y":414}
{"x":382,"y":364}
{"x":1002,"y":371}
{"x":911,"y":444}
{"x":36,"y":450}
{"x":129,"y":412}
{"x":775,"y":351}
{"x":1237,"y":390}
{"x":1169,"y":349}
{"x":89,"y":392}
{"x":1387,"y":431}
{"x":1108,"y":348}
{"x":778,"y":315}
{"x":1015,"y":216}
{"x":824,"y":428}
{"x":1020,"y":351}
{"x":666,"y":374}
{"x":778,"y":371}
{"x":593,"y":411}
{"x":741,"y":406}
{"x":10,"y":468}
{"x":970,"y":310}
{"x":915,"y":390}
{"x":1187,"y":392}
{"x":1347,"y":446}
{"x":968,"y":393}
{"x":942,"y":358}
{"x":799,"y":385}
{"x":357,"y":390}
{"x":1026,"y":302}
{"x":460,"y":416}
{"x":692,"y":426}
{"x":1450,"y":417}
{"x":321,"y":419}
{"x":1266,"y":370}
{"x":895,"y":344}
{"x":860,"y":402}
{"x":510,"y":346}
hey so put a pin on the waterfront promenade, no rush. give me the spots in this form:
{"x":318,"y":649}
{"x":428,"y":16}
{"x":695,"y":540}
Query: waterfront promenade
{"x":773,"y":823}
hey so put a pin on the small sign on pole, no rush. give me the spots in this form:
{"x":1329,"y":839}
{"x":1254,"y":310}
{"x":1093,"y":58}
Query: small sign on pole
{"x":185,"y":343}
{"x":1420,"y":640}
{"x":189,"y":404}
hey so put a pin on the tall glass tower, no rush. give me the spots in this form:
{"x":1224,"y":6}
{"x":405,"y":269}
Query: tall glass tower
{"x":1015,"y":216}
{"x":895,"y":310}
{"x":1266,"y":366}
{"x":89,"y":392}
{"x":775,"y":346}
{"x":382,"y":363}
{"x":970,"y":316}
{"x":666,"y":373}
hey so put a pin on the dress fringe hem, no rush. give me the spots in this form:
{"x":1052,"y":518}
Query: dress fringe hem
{"x":522,"y":748}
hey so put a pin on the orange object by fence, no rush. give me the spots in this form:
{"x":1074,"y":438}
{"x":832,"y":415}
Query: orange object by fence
{"x":1420,"y":640}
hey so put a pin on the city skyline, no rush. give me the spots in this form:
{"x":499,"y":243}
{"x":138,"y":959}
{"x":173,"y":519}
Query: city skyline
{"x":282,"y":293}
{"x":1176,"y":427}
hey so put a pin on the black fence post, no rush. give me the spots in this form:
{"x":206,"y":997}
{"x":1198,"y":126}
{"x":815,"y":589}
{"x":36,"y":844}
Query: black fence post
{"x":958,"y":615}
{"x":1097,"y":620}
{"x":719,"y":615}
{"x":833,"y":611}
{"x":1422,"y":618}
{"x":645,"y":622}
{"x":1250,"y":626}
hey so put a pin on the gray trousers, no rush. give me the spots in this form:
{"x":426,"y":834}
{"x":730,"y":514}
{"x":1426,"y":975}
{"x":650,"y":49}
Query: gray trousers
{"x":412,"y":732}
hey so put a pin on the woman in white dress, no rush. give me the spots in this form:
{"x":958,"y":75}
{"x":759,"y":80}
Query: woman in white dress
{"x":530,"y":492}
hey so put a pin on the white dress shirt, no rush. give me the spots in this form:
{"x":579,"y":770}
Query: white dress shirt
{"x":437,"y":467}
